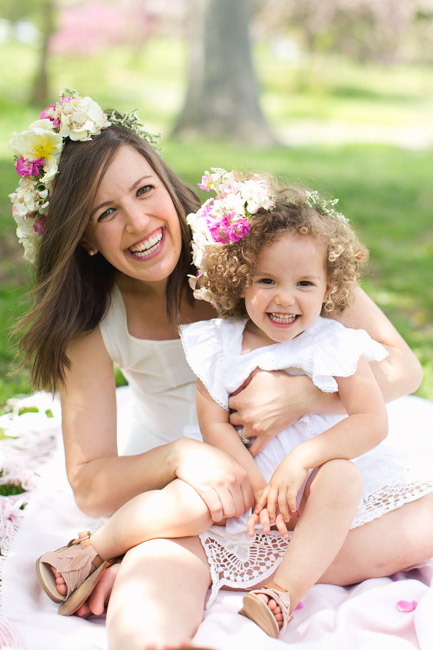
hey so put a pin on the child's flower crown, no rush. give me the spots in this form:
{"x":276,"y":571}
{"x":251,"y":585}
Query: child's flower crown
{"x":37,"y":152}
{"x":224,"y":219}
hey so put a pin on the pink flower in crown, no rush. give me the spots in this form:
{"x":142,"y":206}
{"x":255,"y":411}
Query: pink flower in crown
{"x":51,"y":113}
{"x":29,"y":167}
{"x":219,"y":230}
{"x":39,"y":225}
{"x":206,"y":183}
{"x":238,"y":229}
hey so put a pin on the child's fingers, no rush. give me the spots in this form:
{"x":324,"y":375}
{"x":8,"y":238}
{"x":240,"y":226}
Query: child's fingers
{"x":281,"y":525}
{"x":261,"y":500}
{"x":265,"y":521}
{"x":272,"y":502}
{"x":253,"y":519}
{"x":291,"y":501}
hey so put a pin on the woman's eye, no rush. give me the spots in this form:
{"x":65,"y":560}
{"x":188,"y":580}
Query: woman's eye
{"x":144,"y":190}
{"x":104,"y":215}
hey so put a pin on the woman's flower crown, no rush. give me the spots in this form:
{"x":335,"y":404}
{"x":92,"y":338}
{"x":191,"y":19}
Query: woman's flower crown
{"x":37,"y":152}
{"x":224,"y":219}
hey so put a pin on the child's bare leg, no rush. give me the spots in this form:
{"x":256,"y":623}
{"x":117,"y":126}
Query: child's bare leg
{"x":158,"y":596}
{"x":175,"y":511}
{"x":330,"y":503}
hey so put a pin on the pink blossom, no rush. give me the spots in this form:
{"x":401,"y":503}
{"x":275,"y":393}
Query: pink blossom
{"x":44,"y":115}
{"x":205,"y":183}
{"x":238,"y":229}
{"x":29,"y":167}
{"x":218,"y":230}
{"x":39,"y":225}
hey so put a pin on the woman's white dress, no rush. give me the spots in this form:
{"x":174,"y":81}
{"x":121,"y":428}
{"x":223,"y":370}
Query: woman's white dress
{"x":163,"y":409}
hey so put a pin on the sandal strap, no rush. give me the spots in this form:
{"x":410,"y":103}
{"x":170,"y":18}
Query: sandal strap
{"x":281,"y":597}
{"x":74,"y":567}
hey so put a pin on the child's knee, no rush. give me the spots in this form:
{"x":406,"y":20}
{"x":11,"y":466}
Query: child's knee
{"x":345,"y":477}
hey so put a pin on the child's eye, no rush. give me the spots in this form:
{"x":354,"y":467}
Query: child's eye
{"x":305,"y":283}
{"x":265,"y":281}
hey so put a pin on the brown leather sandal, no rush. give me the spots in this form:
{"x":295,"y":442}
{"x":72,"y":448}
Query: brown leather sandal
{"x":255,"y":609}
{"x":81,"y":568}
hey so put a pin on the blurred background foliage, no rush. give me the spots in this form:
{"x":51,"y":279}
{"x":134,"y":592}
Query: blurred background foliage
{"x":343,"y":99}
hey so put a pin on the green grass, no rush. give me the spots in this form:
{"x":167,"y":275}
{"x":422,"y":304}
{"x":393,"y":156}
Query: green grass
{"x":385,"y":190}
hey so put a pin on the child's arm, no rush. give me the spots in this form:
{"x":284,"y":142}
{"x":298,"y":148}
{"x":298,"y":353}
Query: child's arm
{"x":217,"y":431}
{"x":363,"y":429}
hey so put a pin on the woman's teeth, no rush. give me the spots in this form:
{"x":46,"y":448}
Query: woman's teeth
{"x":147,"y":247}
{"x":282,"y":318}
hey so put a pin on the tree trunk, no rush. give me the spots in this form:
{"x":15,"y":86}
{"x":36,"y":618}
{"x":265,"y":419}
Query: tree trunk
{"x":40,"y":94}
{"x":222,"y":100}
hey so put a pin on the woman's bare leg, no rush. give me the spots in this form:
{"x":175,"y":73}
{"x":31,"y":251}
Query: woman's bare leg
{"x":393,"y":542}
{"x":158,"y":596}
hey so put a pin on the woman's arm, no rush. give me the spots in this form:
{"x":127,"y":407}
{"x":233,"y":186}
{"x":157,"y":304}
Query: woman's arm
{"x":400,"y":373}
{"x":102,"y":480}
{"x":217,"y":431}
{"x":274,"y":400}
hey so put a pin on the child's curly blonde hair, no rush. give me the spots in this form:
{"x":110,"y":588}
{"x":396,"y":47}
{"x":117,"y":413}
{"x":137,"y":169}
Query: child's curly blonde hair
{"x":229,"y":268}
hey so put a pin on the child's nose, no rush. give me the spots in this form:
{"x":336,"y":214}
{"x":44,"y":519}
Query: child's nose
{"x":285,"y":297}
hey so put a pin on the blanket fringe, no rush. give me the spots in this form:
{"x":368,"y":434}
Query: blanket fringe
{"x":8,"y":636}
{"x":29,"y":440}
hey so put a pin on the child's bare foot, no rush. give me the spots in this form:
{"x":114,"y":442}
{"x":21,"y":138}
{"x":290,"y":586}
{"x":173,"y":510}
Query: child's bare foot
{"x":274,"y":607}
{"x":269,"y":608}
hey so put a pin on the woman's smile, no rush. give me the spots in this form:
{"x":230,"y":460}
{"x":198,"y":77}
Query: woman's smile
{"x":149,"y":246}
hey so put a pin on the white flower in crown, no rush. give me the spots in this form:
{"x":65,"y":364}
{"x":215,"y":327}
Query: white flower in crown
{"x":39,"y":142}
{"x":80,"y":118}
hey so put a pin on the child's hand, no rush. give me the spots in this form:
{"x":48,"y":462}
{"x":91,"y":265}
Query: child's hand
{"x":261,"y":515}
{"x":266,"y":523}
{"x":280,"y":495}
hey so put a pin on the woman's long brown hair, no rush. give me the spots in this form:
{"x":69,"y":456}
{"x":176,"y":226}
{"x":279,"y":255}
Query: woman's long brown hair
{"x":72,"y":289}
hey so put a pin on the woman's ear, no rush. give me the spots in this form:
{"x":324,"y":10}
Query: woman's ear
{"x":84,"y":242}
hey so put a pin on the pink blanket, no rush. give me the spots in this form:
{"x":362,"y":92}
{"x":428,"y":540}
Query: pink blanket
{"x":363,"y":617}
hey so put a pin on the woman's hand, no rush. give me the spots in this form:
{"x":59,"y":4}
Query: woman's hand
{"x":271,"y":401}
{"x":220,"y":481}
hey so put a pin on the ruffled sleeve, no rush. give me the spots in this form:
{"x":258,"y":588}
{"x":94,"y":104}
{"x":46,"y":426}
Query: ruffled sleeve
{"x":204,"y":345}
{"x":325,"y":351}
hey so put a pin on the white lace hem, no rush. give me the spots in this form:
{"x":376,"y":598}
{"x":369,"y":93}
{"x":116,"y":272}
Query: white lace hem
{"x":240,"y":562}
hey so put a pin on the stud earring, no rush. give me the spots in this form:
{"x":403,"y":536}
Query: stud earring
{"x":92,"y":252}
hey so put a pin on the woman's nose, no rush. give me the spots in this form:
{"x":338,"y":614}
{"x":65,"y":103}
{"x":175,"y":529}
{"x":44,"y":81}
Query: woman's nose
{"x":136,"y":218}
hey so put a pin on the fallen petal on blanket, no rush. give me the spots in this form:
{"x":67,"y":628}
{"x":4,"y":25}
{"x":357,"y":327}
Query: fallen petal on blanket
{"x":406,"y":606}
